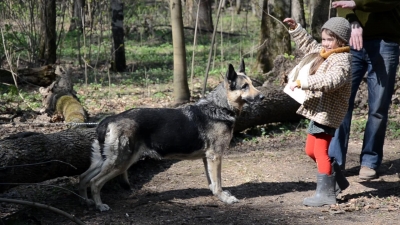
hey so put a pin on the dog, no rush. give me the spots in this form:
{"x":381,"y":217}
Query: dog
{"x":199,"y":131}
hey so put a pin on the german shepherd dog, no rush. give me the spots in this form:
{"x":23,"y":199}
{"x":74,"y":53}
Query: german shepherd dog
{"x":199,"y":131}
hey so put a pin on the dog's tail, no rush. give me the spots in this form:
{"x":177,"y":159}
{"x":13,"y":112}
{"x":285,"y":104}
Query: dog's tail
{"x":96,"y":152}
{"x":113,"y":137}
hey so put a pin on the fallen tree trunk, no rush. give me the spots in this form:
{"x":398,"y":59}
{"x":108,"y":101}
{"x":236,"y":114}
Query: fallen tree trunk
{"x":41,"y":76}
{"x":276,"y":107}
{"x":35,"y":157}
{"x":29,"y":157}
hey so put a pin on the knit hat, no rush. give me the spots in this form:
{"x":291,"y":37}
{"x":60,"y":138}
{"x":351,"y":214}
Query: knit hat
{"x":340,"y":26}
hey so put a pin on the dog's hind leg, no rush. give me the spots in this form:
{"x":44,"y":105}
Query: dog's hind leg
{"x":92,"y":171}
{"x":84,"y":181}
{"x":123,"y":181}
{"x":206,"y":168}
{"x":213,"y":167}
{"x":108,"y":171}
{"x":119,"y":158}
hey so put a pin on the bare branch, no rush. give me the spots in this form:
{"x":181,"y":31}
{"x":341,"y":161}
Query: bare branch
{"x":43,"y":206}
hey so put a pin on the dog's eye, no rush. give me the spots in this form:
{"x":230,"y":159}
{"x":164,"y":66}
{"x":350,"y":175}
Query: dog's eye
{"x":245,"y":86}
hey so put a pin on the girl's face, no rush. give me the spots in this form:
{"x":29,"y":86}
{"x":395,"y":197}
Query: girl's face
{"x":328,"y":42}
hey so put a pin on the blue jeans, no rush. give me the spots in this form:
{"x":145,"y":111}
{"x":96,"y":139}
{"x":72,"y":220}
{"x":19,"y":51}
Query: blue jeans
{"x":380,"y":60}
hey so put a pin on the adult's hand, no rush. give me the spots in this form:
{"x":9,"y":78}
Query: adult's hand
{"x":356,"y":39}
{"x":291,"y":23}
{"x":344,"y":4}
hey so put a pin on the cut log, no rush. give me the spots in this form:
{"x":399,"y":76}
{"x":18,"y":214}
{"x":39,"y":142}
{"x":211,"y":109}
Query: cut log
{"x":35,"y":157}
{"x":60,"y":99}
{"x":41,"y":76}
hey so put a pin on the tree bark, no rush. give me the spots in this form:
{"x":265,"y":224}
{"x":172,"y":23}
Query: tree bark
{"x":275,"y":39}
{"x":181,"y":87}
{"x":205,"y":15}
{"x":48,"y":45}
{"x":19,"y":153}
{"x":238,"y":6}
{"x":77,"y":15}
{"x":276,"y":107}
{"x":117,"y":27}
{"x":320,"y":13}
{"x":188,"y":15}
{"x":298,"y":12}
{"x":41,"y":76}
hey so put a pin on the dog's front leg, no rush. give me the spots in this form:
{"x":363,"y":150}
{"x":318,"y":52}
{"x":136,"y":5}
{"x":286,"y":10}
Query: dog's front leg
{"x":213,"y":169}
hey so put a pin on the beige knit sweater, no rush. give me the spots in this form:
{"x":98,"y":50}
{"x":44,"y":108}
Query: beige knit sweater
{"x":328,"y":90}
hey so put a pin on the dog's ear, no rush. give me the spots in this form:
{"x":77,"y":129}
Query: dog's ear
{"x":241,"y":67}
{"x":230,"y":77}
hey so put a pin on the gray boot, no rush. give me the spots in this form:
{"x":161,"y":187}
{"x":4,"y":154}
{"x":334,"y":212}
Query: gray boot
{"x":325,"y":193}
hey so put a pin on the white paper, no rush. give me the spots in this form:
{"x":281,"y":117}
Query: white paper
{"x":297,"y":94}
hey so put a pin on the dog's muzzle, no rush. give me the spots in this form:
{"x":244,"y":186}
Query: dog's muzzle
{"x":257,"y":98}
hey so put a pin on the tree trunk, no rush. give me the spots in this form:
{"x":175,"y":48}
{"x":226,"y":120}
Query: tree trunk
{"x":256,"y":8}
{"x":181,"y":87}
{"x":319,"y":12}
{"x":238,"y":6}
{"x":298,"y":12}
{"x":48,"y":46}
{"x":117,"y":27}
{"x":34,"y":157}
{"x":41,"y":76}
{"x":275,"y":39}
{"x":188,"y":15}
{"x":205,"y":17}
{"x":77,"y":15}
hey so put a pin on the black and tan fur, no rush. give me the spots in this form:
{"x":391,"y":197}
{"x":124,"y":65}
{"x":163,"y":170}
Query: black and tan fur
{"x":200,"y":131}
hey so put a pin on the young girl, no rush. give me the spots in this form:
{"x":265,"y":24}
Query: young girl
{"x":327,"y":89}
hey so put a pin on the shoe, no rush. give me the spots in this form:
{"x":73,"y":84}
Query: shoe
{"x":367,"y":173}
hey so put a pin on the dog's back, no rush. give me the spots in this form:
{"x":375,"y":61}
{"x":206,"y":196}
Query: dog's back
{"x":165,"y":131}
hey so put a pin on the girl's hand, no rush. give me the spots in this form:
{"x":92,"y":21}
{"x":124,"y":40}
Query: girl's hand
{"x":292,"y":85}
{"x":291,"y":23}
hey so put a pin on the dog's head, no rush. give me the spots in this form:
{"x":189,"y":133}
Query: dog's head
{"x":239,"y":87}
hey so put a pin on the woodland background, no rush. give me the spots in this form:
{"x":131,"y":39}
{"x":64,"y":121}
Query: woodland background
{"x":68,"y":62}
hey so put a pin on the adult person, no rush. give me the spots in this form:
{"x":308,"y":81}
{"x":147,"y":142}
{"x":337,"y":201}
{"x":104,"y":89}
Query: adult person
{"x":375,"y":40}
{"x":327,"y":87}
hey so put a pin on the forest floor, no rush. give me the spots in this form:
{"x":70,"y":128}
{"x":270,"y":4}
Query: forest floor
{"x":269,"y":174}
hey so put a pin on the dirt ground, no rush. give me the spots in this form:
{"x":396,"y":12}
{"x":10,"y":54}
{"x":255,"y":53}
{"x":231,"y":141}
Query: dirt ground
{"x":270,"y":174}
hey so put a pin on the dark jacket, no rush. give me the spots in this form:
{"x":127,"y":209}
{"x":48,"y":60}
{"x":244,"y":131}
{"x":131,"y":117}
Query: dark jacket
{"x":380,"y":19}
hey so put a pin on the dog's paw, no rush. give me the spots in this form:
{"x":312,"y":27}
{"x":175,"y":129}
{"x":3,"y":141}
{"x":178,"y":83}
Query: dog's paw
{"x":103,"y":207}
{"x":232,"y":199}
{"x":226,"y":197}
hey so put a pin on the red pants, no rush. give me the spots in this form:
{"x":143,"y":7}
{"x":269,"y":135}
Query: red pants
{"x":317,"y":148}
